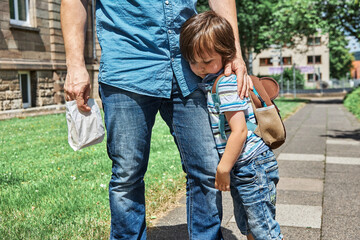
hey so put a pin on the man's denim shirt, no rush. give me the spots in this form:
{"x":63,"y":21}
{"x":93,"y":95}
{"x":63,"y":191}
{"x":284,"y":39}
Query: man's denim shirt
{"x":139,"y":42}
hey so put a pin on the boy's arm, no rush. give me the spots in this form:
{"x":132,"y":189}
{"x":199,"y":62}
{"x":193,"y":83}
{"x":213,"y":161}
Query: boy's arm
{"x":233,"y":149}
{"x":227,"y":9}
{"x":73,"y":23}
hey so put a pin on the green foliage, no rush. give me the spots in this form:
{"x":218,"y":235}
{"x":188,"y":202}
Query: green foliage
{"x":266,"y":22}
{"x":263,"y":23}
{"x":288,"y":76}
{"x":340,"y":57}
{"x":352,"y":102}
{"x":202,"y":6}
{"x":294,"y":18}
{"x":341,"y":14}
{"x":255,"y":27}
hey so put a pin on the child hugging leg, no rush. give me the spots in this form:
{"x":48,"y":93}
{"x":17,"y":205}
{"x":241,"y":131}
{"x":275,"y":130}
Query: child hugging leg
{"x":248,"y":167}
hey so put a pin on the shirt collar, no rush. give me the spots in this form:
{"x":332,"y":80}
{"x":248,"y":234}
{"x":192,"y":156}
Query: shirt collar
{"x":210,"y":78}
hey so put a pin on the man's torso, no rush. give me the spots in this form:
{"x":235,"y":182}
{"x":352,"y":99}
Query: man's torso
{"x":140,"y":45}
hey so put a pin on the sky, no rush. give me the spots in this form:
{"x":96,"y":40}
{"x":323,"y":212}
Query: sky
{"x":353,"y":45}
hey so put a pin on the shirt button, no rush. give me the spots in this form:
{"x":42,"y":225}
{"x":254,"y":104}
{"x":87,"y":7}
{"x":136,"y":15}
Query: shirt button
{"x":167,"y":2}
{"x":169,"y":31}
{"x":172,"y":59}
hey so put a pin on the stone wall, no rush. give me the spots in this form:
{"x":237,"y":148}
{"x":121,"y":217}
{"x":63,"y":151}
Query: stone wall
{"x":47,"y":88}
{"x":10,"y":95}
{"x":38,"y":49}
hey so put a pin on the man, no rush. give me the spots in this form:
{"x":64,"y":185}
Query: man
{"x":142,"y":72}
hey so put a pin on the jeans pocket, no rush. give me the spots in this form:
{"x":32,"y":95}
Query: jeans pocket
{"x":244,"y":173}
{"x":272,"y":175}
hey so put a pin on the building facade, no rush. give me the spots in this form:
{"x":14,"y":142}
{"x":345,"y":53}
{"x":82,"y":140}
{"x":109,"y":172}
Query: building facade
{"x":32,"y":54}
{"x":355,"y":70}
{"x":310,"y":56}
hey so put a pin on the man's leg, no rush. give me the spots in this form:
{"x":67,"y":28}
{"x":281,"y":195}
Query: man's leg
{"x":189,"y":123}
{"x":129,"y":118}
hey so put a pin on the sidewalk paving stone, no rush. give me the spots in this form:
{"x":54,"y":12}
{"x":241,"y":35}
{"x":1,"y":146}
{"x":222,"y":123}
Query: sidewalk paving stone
{"x":299,"y":215}
{"x":319,"y":188}
{"x":301,"y":184}
{"x":301,"y":157}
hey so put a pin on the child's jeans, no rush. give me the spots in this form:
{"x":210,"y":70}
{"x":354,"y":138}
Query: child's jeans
{"x":253,"y":189}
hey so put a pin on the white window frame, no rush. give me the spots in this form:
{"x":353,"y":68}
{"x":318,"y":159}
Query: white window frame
{"x":16,"y":21}
{"x":28,"y":82}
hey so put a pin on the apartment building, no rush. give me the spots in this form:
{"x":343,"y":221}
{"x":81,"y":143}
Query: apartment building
{"x":310,"y":56}
{"x":32,"y":53}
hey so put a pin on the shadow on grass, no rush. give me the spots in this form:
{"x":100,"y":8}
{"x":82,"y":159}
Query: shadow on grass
{"x":179,"y":232}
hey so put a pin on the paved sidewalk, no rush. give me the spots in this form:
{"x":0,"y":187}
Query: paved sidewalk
{"x":319,"y":188}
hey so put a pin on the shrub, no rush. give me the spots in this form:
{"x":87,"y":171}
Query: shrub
{"x":288,"y":76}
{"x":352,"y":102}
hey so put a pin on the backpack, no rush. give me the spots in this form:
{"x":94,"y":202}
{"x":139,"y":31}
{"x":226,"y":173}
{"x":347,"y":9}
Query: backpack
{"x":270,"y":126}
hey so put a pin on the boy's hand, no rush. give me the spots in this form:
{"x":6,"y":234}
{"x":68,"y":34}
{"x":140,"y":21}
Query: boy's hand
{"x":244,"y":81}
{"x":222,"y":179}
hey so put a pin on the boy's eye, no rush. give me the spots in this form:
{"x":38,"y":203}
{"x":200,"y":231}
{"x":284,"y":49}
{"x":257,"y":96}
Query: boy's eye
{"x":207,"y":62}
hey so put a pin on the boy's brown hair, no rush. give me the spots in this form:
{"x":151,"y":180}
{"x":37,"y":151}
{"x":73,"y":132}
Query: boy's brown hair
{"x":207,"y":32}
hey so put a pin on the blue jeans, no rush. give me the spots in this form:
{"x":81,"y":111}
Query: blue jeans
{"x":129,"y":118}
{"x":253,"y":189}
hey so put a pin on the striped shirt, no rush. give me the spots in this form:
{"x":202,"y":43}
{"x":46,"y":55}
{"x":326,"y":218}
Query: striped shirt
{"x":231,"y":102}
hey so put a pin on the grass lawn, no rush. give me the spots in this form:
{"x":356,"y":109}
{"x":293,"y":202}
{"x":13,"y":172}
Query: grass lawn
{"x":288,"y":106}
{"x":48,"y":191}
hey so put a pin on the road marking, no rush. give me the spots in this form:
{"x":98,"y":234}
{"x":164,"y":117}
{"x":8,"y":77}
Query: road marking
{"x":343,"y":142}
{"x":300,"y":184}
{"x":299,"y":215}
{"x":343,"y":160}
{"x":301,"y":157}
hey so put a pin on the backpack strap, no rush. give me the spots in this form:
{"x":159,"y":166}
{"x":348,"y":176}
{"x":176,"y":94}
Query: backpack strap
{"x":216,"y":99}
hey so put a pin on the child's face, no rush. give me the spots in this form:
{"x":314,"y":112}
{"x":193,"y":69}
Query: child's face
{"x":209,"y":63}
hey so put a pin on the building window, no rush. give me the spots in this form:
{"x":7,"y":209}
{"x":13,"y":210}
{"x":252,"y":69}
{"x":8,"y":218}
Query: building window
{"x":312,"y":77}
{"x":314,"y":41}
{"x":265,"y":62}
{"x":25,"y":88}
{"x":19,"y":12}
{"x":287,"y":60}
{"x":314,"y":59}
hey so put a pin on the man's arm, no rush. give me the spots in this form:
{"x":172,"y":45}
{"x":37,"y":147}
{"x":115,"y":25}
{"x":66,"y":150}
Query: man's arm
{"x":227,"y":9}
{"x":73,"y":23}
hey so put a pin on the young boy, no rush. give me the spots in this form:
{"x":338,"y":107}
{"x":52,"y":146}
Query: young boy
{"x":247,"y":167}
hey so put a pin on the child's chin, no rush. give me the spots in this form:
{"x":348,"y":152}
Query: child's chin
{"x":202,"y":75}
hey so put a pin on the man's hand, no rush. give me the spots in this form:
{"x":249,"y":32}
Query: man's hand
{"x":222,"y":179}
{"x":244,"y":81}
{"x":77,"y":87}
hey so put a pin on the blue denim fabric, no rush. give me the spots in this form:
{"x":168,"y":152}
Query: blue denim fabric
{"x":253,"y":189}
{"x":129,"y":118}
{"x":139,"y":42}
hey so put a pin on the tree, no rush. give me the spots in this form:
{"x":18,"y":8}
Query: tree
{"x":343,"y":15}
{"x":293,"y":20}
{"x":254,"y":19}
{"x":263,"y":23}
{"x":340,"y":57}
{"x":268,"y":23}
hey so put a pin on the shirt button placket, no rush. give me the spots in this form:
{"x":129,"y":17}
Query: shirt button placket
{"x":169,"y":24}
